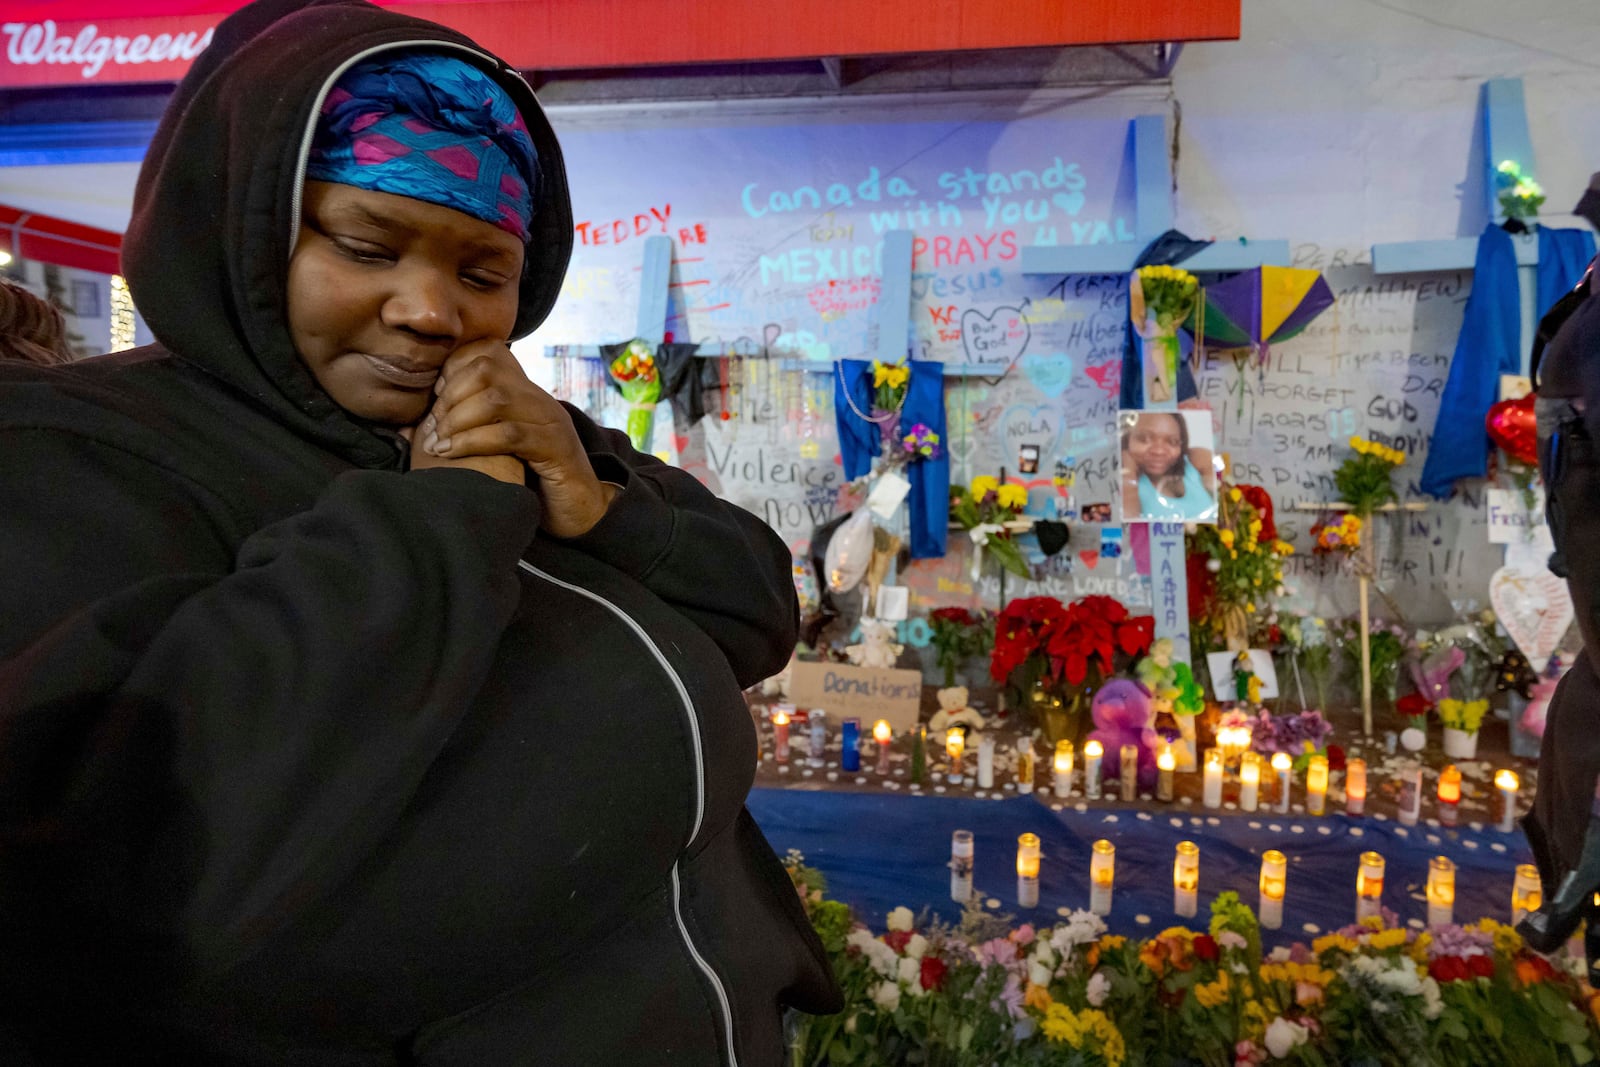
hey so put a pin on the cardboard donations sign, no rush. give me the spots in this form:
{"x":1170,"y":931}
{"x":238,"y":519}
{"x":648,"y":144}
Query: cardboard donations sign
{"x":866,"y":693}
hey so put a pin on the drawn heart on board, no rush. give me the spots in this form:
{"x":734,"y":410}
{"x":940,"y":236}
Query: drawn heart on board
{"x":1030,"y":424}
{"x":1090,"y":557}
{"x":680,"y":443}
{"x":1071,"y":203}
{"x":1108,"y":376}
{"x":1535,"y":608}
{"x":1049,"y":374}
{"x":998,"y":337}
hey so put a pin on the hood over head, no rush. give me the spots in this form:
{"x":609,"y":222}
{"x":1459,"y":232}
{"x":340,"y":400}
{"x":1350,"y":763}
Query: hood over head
{"x":216,"y":208}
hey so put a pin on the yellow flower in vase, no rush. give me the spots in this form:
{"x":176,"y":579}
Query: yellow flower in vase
{"x":983,"y":485}
{"x":1013,"y":497}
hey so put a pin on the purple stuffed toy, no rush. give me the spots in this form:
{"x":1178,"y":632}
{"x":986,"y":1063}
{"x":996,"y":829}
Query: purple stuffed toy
{"x":1122,"y":715}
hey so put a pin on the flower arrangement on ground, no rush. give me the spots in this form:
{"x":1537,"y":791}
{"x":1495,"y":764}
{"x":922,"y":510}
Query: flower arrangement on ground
{"x":1302,"y":735}
{"x":1387,"y":645}
{"x":984,"y":994}
{"x":1310,"y":650}
{"x":983,"y":508}
{"x":958,"y":635}
{"x":1231,"y":600}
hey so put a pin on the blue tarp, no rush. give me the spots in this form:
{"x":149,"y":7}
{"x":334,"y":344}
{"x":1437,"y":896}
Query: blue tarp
{"x":880,"y":851}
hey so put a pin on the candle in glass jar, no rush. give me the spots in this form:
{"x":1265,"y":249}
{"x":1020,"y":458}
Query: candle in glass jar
{"x":1102,"y":872}
{"x":1166,"y":763}
{"x":1130,"y":772}
{"x":1449,"y":795}
{"x":1527,"y":893}
{"x":1355,"y":787}
{"x":955,"y":743}
{"x":1249,"y":781}
{"x":985,"y":762}
{"x":819,"y":736}
{"x":1441,"y":891}
{"x":1506,"y":784}
{"x":1212,"y":786}
{"x":1186,"y":880}
{"x":1410,"y":802}
{"x":961,"y":866}
{"x":1092,"y":753}
{"x":1274,"y":884}
{"x":1369,"y":886}
{"x":1281,"y":769}
{"x":1317,"y":785}
{"x":780,"y":735}
{"x":850,"y":745}
{"x":1063,"y":768}
{"x":1025,"y":770}
{"x":882,"y":734}
{"x":1028,"y":871}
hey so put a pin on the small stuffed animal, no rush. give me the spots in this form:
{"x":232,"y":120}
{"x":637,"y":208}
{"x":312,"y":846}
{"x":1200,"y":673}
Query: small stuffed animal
{"x":1122,"y":716}
{"x":877,"y":647}
{"x":953,"y":711}
{"x":778,"y":684}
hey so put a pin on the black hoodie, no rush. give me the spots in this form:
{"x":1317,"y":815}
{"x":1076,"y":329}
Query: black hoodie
{"x":305,"y":759}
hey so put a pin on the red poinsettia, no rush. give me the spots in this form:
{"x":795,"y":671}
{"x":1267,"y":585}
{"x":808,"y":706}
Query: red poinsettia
{"x":1094,"y":630}
{"x":958,"y":616}
{"x":1090,"y":634}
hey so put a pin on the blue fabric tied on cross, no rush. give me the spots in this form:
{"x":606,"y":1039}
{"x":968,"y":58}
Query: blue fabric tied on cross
{"x":860,"y":442}
{"x":1489,"y":346}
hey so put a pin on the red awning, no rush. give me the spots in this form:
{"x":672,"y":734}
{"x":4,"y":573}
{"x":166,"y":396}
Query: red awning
{"x":52,"y":240}
{"x":88,"y":42}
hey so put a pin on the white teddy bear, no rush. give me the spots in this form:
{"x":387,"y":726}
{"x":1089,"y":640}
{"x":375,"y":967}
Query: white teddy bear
{"x":877,"y":647}
{"x":953,"y":711}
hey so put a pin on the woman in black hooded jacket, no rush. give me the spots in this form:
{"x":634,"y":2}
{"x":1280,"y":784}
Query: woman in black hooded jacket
{"x":360,"y":704}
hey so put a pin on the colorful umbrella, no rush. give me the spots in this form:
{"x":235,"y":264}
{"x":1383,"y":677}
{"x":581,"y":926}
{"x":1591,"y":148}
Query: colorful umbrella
{"x":1254,"y":308}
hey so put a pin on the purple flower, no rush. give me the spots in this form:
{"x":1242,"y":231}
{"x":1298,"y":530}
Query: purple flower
{"x":1457,"y":941}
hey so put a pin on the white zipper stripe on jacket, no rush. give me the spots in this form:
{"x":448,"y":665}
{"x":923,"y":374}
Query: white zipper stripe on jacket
{"x":699,"y":785}
{"x":322,"y":94}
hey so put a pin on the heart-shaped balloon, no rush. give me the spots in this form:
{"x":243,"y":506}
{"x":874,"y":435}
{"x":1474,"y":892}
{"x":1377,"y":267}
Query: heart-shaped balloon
{"x":1512,"y":426}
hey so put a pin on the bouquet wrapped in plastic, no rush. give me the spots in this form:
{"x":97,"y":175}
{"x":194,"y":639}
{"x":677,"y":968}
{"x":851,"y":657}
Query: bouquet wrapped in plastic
{"x":634,"y":370}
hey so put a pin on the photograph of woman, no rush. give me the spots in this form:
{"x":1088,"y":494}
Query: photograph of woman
{"x":1167,"y":472}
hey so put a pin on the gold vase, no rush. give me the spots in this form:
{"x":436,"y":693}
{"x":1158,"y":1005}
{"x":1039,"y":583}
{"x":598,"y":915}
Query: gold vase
{"x":1059,"y":718}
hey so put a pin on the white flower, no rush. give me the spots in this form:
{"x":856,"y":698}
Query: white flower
{"x":881,"y":957}
{"x":1432,"y":1002}
{"x":1284,"y":1035}
{"x":911,"y":972}
{"x":916,"y":947}
{"x":850,"y":1023}
{"x":1099,"y":986}
{"x":1081,"y":928}
{"x":901,"y":918}
{"x":1038,"y":974}
{"x":1238,"y":968}
{"x":1278,"y":955}
{"x":1043,"y":953}
{"x":887,"y":996}
{"x":860,"y":938}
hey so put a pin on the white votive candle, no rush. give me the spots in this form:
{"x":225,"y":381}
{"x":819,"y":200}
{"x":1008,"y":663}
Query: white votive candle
{"x":1506,"y":785}
{"x":1441,"y":891}
{"x":1186,"y":880}
{"x":1092,"y":753}
{"x":1212,"y":786}
{"x":1274,"y":884}
{"x":1317,"y":785}
{"x":1028,"y":871}
{"x":1249,"y":781}
{"x":1369,"y":886}
{"x":1282,"y":769}
{"x":1062,"y":771}
{"x":1102,"y":872}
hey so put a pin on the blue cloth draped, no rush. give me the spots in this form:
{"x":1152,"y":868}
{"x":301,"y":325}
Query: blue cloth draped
{"x":860,"y":442}
{"x":1490,"y":345}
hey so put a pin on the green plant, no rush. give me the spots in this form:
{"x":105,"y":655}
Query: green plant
{"x":1519,"y":195}
{"x":1363,"y":478}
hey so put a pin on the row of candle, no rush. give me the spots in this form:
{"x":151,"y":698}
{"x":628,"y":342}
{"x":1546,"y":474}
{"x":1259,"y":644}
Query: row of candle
{"x":1272,"y":886}
{"x":1214,"y":770}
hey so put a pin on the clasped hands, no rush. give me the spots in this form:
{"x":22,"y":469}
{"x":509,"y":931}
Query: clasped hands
{"x":488,"y":417}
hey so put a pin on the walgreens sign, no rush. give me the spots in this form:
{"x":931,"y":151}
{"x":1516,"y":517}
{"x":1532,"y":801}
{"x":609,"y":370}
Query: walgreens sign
{"x":50,"y":53}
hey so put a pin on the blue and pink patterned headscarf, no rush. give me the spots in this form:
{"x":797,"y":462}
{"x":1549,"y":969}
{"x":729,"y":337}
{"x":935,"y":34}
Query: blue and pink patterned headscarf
{"x":433,"y":128}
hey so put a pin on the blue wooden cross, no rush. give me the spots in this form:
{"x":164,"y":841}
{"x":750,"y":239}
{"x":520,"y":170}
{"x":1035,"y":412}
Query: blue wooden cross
{"x":1152,"y":174}
{"x":1505,"y":137}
